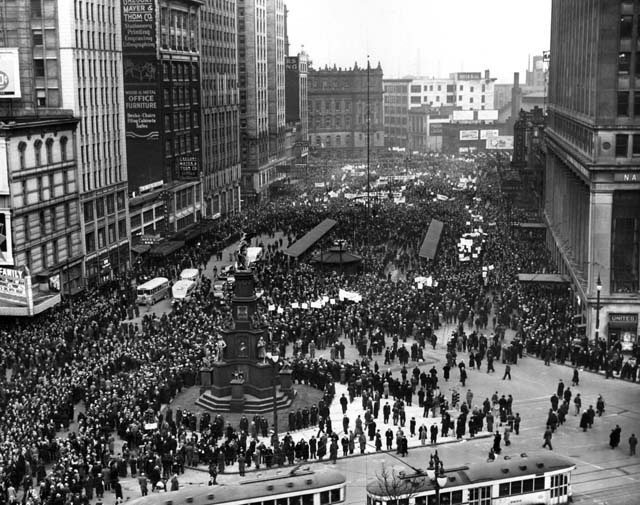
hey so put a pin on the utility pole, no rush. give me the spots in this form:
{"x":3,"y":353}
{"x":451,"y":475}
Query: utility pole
{"x":368,"y":149}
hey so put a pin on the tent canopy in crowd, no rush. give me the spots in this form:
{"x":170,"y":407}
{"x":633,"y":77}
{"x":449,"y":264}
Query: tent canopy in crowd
{"x":431,"y":241}
{"x":299,"y":247}
{"x":547,"y":278}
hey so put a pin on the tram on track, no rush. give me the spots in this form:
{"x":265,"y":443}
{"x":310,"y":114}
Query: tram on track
{"x":523,"y":480}
{"x":298,"y":486}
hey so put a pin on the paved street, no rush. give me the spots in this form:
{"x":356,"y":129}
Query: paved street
{"x":603,"y":475}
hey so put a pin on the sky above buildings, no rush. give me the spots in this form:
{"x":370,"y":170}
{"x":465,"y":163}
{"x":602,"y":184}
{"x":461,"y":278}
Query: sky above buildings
{"x":422,"y":37}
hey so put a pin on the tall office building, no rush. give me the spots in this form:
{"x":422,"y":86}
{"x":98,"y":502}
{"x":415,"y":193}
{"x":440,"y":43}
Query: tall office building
{"x":40,"y":232}
{"x":220,"y":110}
{"x":91,"y":84}
{"x":264,"y":139}
{"x":161,"y":53}
{"x":592,"y":187}
{"x":297,"y":106}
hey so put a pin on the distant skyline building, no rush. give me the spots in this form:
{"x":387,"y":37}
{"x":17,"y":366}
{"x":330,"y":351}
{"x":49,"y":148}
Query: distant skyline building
{"x":338,"y":109}
{"x":592,"y":187}
{"x":297,"y":104}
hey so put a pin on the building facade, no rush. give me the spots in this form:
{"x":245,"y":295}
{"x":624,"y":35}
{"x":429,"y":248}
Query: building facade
{"x":592,"y":186}
{"x":41,"y":249}
{"x":163,"y":114}
{"x":466,"y":90}
{"x":396,"y":113}
{"x":264,"y":138}
{"x":340,"y":101}
{"x":297,"y":108}
{"x":220,"y":108}
{"x":91,"y":85}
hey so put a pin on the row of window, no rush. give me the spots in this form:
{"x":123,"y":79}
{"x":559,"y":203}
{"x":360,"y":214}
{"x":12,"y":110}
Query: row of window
{"x":52,"y":259}
{"x":105,"y":236}
{"x":451,"y":88}
{"x":37,"y":152}
{"x":53,"y":219}
{"x":338,"y":140}
{"x":622,"y":145}
{"x":97,"y":208}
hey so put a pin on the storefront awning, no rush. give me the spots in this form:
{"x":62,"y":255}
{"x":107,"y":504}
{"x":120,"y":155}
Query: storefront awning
{"x":548,"y":278}
{"x":140,"y":248}
{"x":166,"y":248}
{"x":531,"y":225}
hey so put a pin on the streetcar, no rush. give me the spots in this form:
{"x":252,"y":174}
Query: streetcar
{"x":298,"y":486}
{"x":523,"y":480}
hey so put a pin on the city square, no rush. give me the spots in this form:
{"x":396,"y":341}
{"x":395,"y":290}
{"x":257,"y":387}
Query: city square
{"x":385,"y":267}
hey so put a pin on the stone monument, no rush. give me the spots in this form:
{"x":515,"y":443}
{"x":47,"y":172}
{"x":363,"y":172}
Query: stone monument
{"x":240,"y":379}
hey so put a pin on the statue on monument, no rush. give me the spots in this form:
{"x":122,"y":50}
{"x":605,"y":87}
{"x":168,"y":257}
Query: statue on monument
{"x":261,"y":349}
{"x":221,"y":345}
{"x":242,"y":253}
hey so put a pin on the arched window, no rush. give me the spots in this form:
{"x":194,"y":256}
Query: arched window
{"x":37,"y":148}
{"x":22,"y":147}
{"x":328,"y":141}
{"x":49,"y":151}
{"x":338,"y":140}
{"x":63,"y":148}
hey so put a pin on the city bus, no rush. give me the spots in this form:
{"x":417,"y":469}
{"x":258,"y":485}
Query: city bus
{"x":152,"y":291}
{"x":182,"y":290}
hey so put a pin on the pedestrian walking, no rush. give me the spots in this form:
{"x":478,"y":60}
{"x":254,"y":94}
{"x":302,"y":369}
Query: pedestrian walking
{"x":614,"y":437}
{"x":547,"y":438}
{"x":507,"y":372}
{"x":633,"y":441}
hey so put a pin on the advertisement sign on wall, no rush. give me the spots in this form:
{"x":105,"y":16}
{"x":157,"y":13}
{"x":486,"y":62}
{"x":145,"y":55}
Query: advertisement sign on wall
{"x":488,"y":115}
{"x":6,"y":246}
{"x":13,"y":284}
{"x":500,"y":142}
{"x":468,"y":134}
{"x":188,"y":167}
{"x":9,"y":73}
{"x":463,"y":115}
{"x":485,"y":134}
{"x":139,"y":26}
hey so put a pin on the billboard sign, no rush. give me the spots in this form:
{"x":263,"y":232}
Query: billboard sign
{"x":9,"y":73}
{"x":141,"y":101}
{"x":139,"y":26}
{"x":463,"y":115}
{"x":13,"y":284}
{"x":500,"y":142}
{"x":485,"y":134}
{"x":6,"y":245}
{"x":488,"y":115}
{"x":468,"y":134}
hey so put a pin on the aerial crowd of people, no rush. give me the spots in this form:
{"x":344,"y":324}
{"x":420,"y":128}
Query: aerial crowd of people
{"x":124,"y":370}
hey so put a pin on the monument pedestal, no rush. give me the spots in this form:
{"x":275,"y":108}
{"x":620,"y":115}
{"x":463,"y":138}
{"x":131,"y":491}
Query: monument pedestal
{"x":206,"y":378}
{"x":237,"y":395}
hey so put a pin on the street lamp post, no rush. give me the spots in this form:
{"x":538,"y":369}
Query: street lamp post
{"x":273,"y":357}
{"x":435,"y":472}
{"x":598,"y":289}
